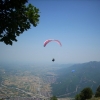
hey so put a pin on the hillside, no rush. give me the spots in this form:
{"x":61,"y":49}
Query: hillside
{"x":69,"y":83}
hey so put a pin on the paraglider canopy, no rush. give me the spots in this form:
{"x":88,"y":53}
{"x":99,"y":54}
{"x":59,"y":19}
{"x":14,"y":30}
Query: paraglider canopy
{"x":49,"y":40}
{"x":73,"y":71}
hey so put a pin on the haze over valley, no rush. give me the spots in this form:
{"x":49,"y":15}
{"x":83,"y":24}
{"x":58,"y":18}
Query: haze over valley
{"x":42,"y":82}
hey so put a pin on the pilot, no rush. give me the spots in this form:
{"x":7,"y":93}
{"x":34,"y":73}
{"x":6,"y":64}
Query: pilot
{"x":53,"y":59}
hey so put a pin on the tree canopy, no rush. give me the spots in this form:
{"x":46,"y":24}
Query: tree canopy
{"x":15,"y":18}
{"x":86,"y":93}
{"x":97,"y":94}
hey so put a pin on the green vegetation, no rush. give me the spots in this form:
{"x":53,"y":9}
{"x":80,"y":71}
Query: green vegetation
{"x":15,"y":18}
{"x":86,"y":93}
{"x":53,"y":98}
{"x":77,"y":97}
{"x":97,"y":94}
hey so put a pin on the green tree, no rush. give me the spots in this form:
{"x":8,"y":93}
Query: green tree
{"x":15,"y":18}
{"x":97,"y":94}
{"x":53,"y":98}
{"x":77,"y":97}
{"x":86,"y":93}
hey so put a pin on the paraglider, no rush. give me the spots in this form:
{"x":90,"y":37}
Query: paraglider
{"x":50,"y":40}
{"x":73,"y":71}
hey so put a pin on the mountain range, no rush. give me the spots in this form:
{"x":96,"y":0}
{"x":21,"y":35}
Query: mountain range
{"x":71,"y":80}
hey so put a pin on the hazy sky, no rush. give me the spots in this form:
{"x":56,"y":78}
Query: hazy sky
{"x":76,"y":23}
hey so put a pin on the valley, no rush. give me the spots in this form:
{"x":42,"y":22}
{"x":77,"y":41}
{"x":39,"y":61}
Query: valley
{"x":23,"y":83}
{"x":43,"y":82}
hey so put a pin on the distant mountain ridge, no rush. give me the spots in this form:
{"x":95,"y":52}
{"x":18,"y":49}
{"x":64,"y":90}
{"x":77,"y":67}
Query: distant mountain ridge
{"x":70,"y":83}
